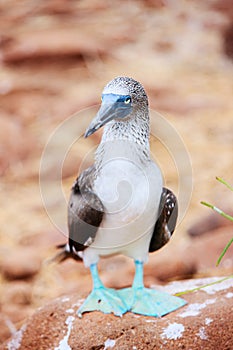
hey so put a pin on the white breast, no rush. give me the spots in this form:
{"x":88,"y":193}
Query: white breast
{"x":130,"y":191}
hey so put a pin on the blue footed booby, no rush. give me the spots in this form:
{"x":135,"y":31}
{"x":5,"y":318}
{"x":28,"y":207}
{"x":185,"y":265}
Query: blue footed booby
{"x":119,"y":204}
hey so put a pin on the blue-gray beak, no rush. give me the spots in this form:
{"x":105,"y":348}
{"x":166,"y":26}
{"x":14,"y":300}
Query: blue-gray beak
{"x":108,"y":111}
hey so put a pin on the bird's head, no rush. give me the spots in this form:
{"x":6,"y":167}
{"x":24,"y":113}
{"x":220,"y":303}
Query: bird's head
{"x":121,"y":98}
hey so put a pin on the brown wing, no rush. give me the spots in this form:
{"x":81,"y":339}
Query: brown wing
{"x":85,"y":212}
{"x":166,"y":223}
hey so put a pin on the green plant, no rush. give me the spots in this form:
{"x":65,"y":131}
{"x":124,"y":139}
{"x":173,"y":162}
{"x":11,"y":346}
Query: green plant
{"x":229,"y":217}
{"x":219,"y":211}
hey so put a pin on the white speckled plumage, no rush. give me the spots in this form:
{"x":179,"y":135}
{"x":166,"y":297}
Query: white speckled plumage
{"x":118,"y":205}
{"x":127,"y":181}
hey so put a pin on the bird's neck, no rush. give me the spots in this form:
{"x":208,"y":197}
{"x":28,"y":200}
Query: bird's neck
{"x":128,"y":138}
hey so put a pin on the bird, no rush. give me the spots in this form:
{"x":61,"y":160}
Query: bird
{"x":119,"y":205}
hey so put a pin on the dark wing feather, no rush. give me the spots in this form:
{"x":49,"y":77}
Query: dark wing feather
{"x":85,"y":213}
{"x":166,"y":222}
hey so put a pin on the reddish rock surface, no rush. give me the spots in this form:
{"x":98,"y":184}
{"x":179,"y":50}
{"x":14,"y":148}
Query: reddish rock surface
{"x":23,"y":264}
{"x":206,"y":322}
{"x":210,"y":223}
{"x":11,"y":150}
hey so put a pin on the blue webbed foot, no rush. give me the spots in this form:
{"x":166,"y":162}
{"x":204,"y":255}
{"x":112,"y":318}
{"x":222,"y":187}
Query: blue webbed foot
{"x":148,"y":302}
{"x":102,"y":299}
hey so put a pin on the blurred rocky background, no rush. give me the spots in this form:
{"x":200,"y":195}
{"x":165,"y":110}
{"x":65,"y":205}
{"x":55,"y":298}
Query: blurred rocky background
{"x":55,"y":58}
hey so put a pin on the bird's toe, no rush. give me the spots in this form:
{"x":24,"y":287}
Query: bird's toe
{"x":105,"y":300}
{"x":150,"y":302}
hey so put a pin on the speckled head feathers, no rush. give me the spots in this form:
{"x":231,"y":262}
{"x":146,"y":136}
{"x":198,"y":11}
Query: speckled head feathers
{"x":127,"y":86}
{"x":124,"y":112}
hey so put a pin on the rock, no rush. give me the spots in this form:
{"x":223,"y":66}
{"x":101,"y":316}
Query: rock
{"x":18,"y":292}
{"x":224,"y":6}
{"x":44,"y":240}
{"x":208,"y":223}
{"x":199,"y":256}
{"x":16,"y":314}
{"x":7,"y":328}
{"x":164,"y":266}
{"x":228,"y":41}
{"x":117,"y":271}
{"x":156,"y":4}
{"x":22,"y":263}
{"x":175,"y":261}
{"x":42,"y":44}
{"x":12,"y":150}
{"x":204,"y":323}
{"x":16,"y":306}
{"x":205,"y":251}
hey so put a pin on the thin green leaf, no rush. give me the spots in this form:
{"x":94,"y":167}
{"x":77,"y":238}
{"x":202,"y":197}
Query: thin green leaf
{"x":224,"y":183}
{"x":224,"y":251}
{"x":229,"y":217}
{"x":219,"y":211}
{"x":204,"y":286}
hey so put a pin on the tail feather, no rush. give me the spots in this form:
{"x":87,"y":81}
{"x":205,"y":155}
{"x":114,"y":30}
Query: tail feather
{"x":63,"y":254}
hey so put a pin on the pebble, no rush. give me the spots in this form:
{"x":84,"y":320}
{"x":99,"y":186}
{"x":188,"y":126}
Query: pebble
{"x":20,"y":264}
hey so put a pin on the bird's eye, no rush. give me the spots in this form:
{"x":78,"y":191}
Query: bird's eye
{"x":127,"y":100}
